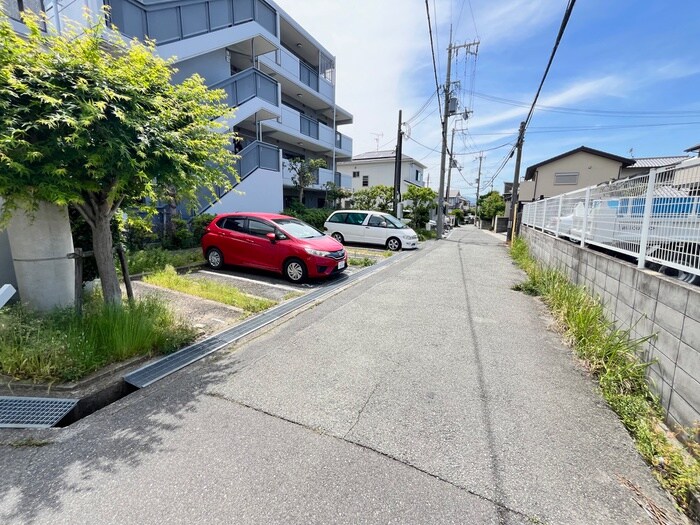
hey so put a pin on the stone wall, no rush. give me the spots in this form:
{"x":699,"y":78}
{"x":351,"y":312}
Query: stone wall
{"x":647,"y":303}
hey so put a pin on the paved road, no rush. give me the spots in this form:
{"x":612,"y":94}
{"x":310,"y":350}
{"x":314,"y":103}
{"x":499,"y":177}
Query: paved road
{"x":429,"y":392}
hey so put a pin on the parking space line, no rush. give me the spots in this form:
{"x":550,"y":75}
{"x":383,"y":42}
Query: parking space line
{"x":280,"y":286}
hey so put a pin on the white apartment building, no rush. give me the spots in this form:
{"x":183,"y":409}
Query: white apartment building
{"x":280,"y":79}
{"x":377,"y":168}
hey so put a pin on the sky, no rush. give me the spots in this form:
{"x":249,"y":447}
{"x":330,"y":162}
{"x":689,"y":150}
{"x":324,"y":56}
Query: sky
{"x":625,"y":78}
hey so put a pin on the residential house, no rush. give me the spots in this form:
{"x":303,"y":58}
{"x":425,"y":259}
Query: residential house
{"x":278,"y":77}
{"x":575,"y":169}
{"x":644,"y":165}
{"x":377,"y":168}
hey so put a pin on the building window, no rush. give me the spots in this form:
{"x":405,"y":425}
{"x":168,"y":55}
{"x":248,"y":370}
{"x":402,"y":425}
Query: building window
{"x":566,"y":178}
{"x":417,"y":174}
{"x":365,"y":180}
{"x":355,"y":174}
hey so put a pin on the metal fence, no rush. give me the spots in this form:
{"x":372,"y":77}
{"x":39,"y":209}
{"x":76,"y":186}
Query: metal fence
{"x":654,"y":218}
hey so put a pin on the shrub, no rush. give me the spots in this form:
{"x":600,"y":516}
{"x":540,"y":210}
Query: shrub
{"x":316,"y":217}
{"x":198,"y":225}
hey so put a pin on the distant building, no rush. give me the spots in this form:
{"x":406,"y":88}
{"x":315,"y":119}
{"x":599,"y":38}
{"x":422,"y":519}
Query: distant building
{"x":376,"y":168}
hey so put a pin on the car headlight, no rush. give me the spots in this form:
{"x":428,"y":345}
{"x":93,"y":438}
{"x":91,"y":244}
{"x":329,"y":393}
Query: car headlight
{"x":319,"y":253}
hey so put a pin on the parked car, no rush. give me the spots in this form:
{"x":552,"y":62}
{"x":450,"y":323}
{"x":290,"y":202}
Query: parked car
{"x":273,"y":242}
{"x":371,"y":227}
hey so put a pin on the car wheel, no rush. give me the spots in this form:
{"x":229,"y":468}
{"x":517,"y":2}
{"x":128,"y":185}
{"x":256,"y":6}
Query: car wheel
{"x":393,"y":244}
{"x":215,"y":259}
{"x":295,"y":270}
{"x":338,"y":237}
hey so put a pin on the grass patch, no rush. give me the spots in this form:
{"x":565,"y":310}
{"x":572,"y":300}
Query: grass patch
{"x":155,"y":259}
{"x":168,"y":278}
{"x":61,"y":346}
{"x":361,"y":261}
{"x":611,"y":355}
{"x":424,"y":235}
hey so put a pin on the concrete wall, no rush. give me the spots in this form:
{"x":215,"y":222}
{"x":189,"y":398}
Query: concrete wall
{"x":592,"y":170}
{"x":648,"y":304}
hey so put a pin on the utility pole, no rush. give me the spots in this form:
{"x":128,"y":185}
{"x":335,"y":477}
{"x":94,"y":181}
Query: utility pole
{"x":449,"y":169}
{"x":397,"y":168}
{"x":512,"y":216}
{"x":440,"y":223}
{"x":478,"y":182}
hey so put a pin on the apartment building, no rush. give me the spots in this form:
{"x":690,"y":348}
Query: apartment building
{"x":280,"y":79}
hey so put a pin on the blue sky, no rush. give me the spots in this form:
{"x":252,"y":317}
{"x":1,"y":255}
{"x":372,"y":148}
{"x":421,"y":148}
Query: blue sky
{"x":627,"y":68}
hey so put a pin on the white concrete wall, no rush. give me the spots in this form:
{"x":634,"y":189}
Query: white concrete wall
{"x":260,"y":191}
{"x":40,"y":243}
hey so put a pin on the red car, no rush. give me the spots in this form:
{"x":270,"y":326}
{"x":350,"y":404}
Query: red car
{"x":269,"y":241}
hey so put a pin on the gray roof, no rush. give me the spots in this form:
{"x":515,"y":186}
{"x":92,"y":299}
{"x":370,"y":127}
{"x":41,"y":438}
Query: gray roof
{"x":694,"y":148}
{"x":657,"y":162}
{"x":384,"y":155}
{"x":530,"y":171}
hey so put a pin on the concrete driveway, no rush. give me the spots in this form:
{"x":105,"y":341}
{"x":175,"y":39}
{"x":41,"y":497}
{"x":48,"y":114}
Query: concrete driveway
{"x":428,"y":393}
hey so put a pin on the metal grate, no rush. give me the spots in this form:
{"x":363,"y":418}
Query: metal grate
{"x":152,"y":372}
{"x":33,"y":412}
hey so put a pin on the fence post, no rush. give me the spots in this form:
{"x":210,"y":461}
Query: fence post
{"x":544,"y":214}
{"x":585,"y":217}
{"x":646,"y":221}
{"x":561,"y":200}
{"x":125,"y":272}
{"x":78,"y":256}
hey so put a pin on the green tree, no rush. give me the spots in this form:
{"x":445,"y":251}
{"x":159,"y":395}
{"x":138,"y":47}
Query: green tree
{"x":92,"y":121}
{"x":423,"y":200}
{"x":335,"y":193}
{"x":363,"y":199}
{"x":491,"y":205}
{"x":304,"y":173}
{"x":383,"y":197}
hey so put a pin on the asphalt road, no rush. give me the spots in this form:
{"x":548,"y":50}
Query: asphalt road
{"x":429,"y":392}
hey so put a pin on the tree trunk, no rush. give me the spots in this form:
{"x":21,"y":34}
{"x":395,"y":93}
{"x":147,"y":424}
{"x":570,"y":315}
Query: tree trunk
{"x":102,"y":246}
{"x":301,"y":195}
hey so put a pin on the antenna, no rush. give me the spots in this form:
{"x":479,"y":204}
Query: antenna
{"x":377,"y":138}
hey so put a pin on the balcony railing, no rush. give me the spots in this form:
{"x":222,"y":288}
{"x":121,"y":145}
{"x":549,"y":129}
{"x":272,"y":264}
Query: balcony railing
{"x":258,"y":155}
{"x":249,"y":84}
{"x":308,"y":126}
{"x":187,"y":19}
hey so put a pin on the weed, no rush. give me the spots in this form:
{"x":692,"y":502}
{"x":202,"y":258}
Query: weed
{"x":363,"y":261}
{"x":168,"y":278}
{"x":29,"y":442}
{"x":611,"y":356}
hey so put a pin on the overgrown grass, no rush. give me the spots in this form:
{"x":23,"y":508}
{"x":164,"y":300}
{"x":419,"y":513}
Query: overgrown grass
{"x":611,"y":354}
{"x":168,"y":278}
{"x":424,"y":235}
{"x":361,"y":261}
{"x":61,"y":346}
{"x":155,"y":259}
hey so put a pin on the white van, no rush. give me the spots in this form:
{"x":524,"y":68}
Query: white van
{"x":371,"y":227}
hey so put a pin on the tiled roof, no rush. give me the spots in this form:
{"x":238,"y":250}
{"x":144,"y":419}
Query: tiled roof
{"x":384,"y":155}
{"x":657,"y":162}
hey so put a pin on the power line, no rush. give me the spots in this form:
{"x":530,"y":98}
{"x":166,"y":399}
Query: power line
{"x":432,"y":50}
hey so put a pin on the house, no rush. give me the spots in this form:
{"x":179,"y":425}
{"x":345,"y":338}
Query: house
{"x":575,"y":169}
{"x":455,"y":200}
{"x":644,"y":165}
{"x":377,"y":168}
{"x":278,"y":77}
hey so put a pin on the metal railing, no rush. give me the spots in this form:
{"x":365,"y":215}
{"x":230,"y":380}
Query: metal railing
{"x":654,"y":218}
{"x":249,"y":84}
{"x":185,"y":19}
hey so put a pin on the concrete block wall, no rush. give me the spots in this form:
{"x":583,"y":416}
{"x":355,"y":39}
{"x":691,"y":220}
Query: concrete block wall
{"x":650,"y":305}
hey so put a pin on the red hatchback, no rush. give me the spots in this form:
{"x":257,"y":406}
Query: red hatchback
{"x":269,"y":241}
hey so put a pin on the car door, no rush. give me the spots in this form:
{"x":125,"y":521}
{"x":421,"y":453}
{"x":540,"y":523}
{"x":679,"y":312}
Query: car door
{"x":353,"y":229}
{"x":263,"y":253}
{"x":376,"y":230}
{"x":234,"y":244}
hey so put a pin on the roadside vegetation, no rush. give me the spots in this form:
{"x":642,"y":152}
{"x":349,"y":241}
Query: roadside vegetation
{"x":361,"y":261}
{"x":215,"y":291}
{"x":611,"y":355}
{"x":61,"y":346}
{"x":156,"y":259}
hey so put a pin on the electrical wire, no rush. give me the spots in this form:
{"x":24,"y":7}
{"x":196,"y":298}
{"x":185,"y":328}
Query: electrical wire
{"x":432,"y":50}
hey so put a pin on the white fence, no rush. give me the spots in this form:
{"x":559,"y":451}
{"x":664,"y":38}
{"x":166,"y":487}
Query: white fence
{"x":654,"y":218}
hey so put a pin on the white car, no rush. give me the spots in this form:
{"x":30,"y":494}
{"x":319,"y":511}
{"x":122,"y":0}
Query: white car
{"x":371,"y":227}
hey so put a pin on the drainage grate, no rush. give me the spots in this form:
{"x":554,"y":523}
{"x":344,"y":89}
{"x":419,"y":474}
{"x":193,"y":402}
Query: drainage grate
{"x":33,"y":412}
{"x":151,"y":373}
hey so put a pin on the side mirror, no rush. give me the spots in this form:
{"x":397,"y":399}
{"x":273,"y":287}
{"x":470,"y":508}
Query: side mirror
{"x":382,"y":224}
{"x":272,"y":237}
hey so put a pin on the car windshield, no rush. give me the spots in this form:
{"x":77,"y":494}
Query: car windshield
{"x":298,"y":229}
{"x":394,"y":221}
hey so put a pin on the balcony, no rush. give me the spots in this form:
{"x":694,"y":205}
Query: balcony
{"x":295,"y":74}
{"x":252,"y":93}
{"x":322,"y":177}
{"x":258,"y":155}
{"x":181,"y":19}
{"x":294,"y":127}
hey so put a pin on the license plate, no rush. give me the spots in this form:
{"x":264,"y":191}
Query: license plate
{"x":341,"y":265}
